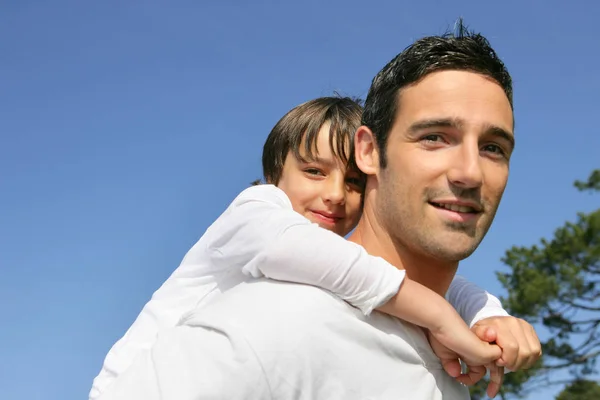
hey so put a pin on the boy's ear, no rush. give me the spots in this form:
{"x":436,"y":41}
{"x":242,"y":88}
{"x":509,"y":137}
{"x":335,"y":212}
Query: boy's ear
{"x":366,"y":151}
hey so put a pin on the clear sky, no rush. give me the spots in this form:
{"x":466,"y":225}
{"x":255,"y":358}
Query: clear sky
{"x":126,"y":128}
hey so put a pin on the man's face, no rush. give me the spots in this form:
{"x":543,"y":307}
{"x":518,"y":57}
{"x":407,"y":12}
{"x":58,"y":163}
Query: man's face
{"x":447,"y":164}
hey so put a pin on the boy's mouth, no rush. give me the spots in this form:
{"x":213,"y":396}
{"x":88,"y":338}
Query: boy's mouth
{"x":327,"y":217}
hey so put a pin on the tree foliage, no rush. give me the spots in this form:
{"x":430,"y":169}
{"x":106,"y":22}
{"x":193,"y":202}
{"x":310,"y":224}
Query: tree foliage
{"x":555,"y":284}
{"x":592,"y":184}
{"x":580,"y":389}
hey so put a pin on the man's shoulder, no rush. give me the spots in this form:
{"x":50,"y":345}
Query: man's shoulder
{"x":300,"y":333}
{"x":279,"y":315}
{"x":286,"y":324}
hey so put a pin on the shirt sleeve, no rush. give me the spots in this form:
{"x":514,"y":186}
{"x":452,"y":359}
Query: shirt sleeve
{"x":266,"y":237}
{"x":193,"y":363}
{"x":472,"y":302}
{"x":197,"y":278}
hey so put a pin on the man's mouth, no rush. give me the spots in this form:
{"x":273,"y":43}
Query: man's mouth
{"x":456,"y":207}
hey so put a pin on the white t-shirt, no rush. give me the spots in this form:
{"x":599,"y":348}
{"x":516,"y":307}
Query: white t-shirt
{"x":268,"y":340}
{"x":260,"y":235}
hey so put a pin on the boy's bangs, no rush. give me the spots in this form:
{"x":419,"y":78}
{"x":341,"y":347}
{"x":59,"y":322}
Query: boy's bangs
{"x":297,"y":133}
{"x":340,"y":141}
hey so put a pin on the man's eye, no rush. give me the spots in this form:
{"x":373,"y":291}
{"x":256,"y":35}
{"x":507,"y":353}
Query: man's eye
{"x":432,"y":138}
{"x":493,"y":148}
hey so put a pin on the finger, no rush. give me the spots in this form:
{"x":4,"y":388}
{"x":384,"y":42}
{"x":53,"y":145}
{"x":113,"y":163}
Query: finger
{"x":496,"y":378}
{"x":493,"y":353}
{"x":485,"y":333}
{"x":535,"y":347}
{"x":510,"y":348}
{"x":524,"y":351}
{"x":472,"y":376}
{"x":482,"y":354}
{"x":452,"y":367}
{"x":492,"y":390}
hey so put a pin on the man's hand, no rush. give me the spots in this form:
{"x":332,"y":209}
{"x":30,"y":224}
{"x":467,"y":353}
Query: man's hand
{"x":520,"y":345}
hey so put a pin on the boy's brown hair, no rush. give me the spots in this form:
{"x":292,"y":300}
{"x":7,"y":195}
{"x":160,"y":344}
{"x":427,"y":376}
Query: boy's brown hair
{"x":304,"y":122}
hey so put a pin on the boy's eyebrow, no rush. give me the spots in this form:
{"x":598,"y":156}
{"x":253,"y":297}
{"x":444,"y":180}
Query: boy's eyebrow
{"x":318,"y":160}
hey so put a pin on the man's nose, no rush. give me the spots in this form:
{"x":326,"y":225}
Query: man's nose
{"x":466,"y":171}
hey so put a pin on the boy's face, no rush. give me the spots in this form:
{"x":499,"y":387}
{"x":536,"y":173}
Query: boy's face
{"x":322,"y":190}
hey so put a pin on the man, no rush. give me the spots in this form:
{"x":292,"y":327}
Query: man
{"x":436,"y":141}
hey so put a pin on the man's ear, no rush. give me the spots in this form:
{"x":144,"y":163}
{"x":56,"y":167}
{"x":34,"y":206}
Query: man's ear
{"x":366,"y":151}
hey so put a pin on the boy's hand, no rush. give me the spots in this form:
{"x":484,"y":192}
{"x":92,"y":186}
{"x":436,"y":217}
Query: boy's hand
{"x":521,"y":347}
{"x":451,"y":364}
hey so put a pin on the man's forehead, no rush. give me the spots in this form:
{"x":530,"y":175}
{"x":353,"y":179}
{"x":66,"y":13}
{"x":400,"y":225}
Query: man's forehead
{"x":461,"y":96}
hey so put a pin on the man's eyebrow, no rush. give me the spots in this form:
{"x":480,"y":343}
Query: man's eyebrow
{"x":457,"y":123}
{"x":436,"y":123}
{"x":501,"y":133}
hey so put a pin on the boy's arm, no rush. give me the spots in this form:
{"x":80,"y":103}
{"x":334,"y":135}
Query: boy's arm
{"x":472,"y":302}
{"x":264,"y":236}
{"x":311,"y":255}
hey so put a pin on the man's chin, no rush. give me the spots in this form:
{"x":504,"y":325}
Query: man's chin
{"x":456,"y":247}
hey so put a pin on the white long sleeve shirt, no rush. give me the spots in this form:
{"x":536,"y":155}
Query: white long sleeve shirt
{"x":269,"y":340}
{"x":259,"y":235}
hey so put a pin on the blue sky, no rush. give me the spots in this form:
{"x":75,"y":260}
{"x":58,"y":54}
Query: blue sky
{"x":126,"y":128}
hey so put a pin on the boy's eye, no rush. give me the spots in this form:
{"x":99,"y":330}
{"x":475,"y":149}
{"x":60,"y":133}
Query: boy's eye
{"x":353,"y":181}
{"x":314,"y":171}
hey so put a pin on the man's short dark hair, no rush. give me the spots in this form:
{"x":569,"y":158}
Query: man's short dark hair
{"x":461,"y":50}
{"x":304,"y":122}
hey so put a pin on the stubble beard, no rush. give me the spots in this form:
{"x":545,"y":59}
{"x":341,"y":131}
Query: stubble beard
{"x":415,"y":231}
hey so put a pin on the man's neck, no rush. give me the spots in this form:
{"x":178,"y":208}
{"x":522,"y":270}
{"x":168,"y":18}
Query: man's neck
{"x":433,"y":273}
